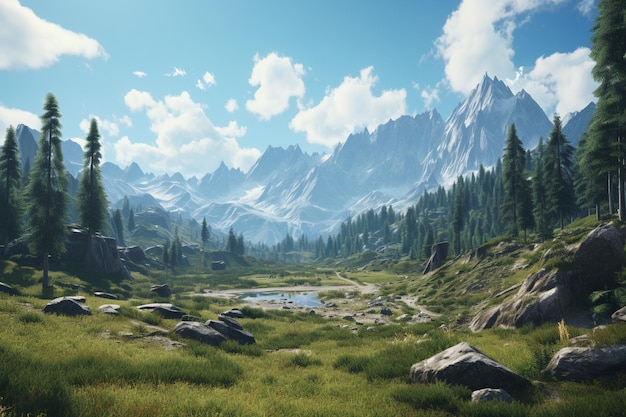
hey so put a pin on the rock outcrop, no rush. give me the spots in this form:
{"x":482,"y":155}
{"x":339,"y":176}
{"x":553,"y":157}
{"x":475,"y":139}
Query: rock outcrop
{"x":97,"y":253}
{"x":163,"y":290}
{"x":491,"y":394}
{"x":7,"y":289}
{"x":586,"y":363}
{"x":463,"y":364}
{"x":438,"y":255}
{"x":67,"y":306}
{"x":548,"y":295}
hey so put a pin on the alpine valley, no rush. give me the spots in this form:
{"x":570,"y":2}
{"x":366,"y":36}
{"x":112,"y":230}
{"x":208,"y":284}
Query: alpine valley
{"x":288,"y":191}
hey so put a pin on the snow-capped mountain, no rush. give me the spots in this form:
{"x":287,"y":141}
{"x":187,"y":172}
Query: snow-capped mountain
{"x":289,"y":191}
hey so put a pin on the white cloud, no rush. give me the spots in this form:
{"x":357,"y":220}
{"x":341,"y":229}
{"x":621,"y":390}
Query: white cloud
{"x":140,"y":74}
{"x":430,"y":95}
{"x":176,"y":72}
{"x":478,"y":38}
{"x":231,"y":105}
{"x":561,"y":82}
{"x":278,"y":79}
{"x":106,"y":127}
{"x":585,"y":7}
{"x":208,"y":80}
{"x":14,"y":117}
{"x":349,"y":108}
{"x":30,"y":42}
{"x":186,"y":140}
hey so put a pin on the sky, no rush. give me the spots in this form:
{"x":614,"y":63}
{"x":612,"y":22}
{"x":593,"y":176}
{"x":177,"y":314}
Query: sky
{"x":182,"y":86}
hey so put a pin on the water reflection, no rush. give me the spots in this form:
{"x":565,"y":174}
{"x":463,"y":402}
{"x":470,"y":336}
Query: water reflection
{"x":300,"y":299}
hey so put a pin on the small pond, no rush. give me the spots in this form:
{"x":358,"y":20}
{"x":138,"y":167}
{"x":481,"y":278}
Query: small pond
{"x":299,"y":299}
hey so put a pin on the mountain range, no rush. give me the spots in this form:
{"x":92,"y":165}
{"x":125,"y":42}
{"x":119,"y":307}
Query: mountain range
{"x":289,"y":191}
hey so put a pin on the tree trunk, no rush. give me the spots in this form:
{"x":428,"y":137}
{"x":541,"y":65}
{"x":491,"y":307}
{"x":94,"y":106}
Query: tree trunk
{"x":46,"y":266}
{"x":598,"y":211}
{"x":620,"y":184}
{"x":609,"y":188}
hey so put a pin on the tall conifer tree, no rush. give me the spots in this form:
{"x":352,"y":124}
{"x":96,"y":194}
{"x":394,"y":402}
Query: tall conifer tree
{"x":91,"y":198}
{"x":11,"y":203}
{"x":47,"y":190}
{"x":514,"y":181}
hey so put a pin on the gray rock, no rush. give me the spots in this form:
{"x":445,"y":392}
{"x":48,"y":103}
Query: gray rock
{"x":98,"y":253}
{"x":167,"y":310}
{"x":7,"y":289}
{"x":200,"y":332}
{"x":438,"y":254}
{"x":67,"y":306}
{"x":107,"y":295}
{"x":463,"y":364}
{"x":234,"y":313}
{"x":230,"y":321}
{"x":161,"y":290}
{"x":386,"y":312}
{"x":491,"y":394}
{"x":112,"y":309}
{"x":600,"y":256}
{"x":241,"y":336}
{"x":619,"y":315}
{"x":585,"y":363}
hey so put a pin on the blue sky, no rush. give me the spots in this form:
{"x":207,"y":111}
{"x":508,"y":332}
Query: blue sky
{"x":181,"y":86}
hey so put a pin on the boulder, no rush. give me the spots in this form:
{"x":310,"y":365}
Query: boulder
{"x":438,"y":255}
{"x":599,"y":256}
{"x":463,"y":364}
{"x":134,"y":254}
{"x":234,"y":313}
{"x":97,"y":253}
{"x":491,"y":394}
{"x":619,"y":315}
{"x":200,"y":332}
{"x":386,"y":312}
{"x":161,"y":290}
{"x":230,"y":321}
{"x":7,"y":289}
{"x":112,"y":309}
{"x":586,"y":363}
{"x":67,"y":306}
{"x":241,"y":336}
{"x":107,"y":295}
{"x":167,"y":310}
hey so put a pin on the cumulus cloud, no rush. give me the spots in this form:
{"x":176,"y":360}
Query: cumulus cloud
{"x":186,"y":140}
{"x":478,"y":38}
{"x":430,"y":95}
{"x":176,"y":72}
{"x":14,"y":117}
{"x":207,"y":80}
{"x":561,"y":82}
{"x":139,"y":74}
{"x":278,"y":80}
{"x":106,"y":127}
{"x":30,"y":42}
{"x":349,"y":108}
{"x":231,"y":105}
{"x":585,"y":7}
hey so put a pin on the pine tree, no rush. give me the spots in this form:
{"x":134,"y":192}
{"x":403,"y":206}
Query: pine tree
{"x":11,"y":203}
{"x":514,"y":181}
{"x":539,"y":194}
{"x":558,"y":175}
{"x":131,"y":220}
{"x":47,"y":190}
{"x":606,"y":147}
{"x":91,"y":198}
{"x":231,"y":243}
{"x":118,"y":225}
{"x":204,"y":232}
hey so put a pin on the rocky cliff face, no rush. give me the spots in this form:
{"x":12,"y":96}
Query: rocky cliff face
{"x":95,"y":253}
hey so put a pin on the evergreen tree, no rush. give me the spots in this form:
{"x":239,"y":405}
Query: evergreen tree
{"x":91,"y":198}
{"x":205,"y":233}
{"x":47,"y":190}
{"x":514,"y":181}
{"x":558,"y":175}
{"x":166,"y":254}
{"x":231,"y":242}
{"x":11,"y":203}
{"x":606,"y":147}
{"x":131,"y":220}
{"x":539,"y":195}
{"x":118,"y":225}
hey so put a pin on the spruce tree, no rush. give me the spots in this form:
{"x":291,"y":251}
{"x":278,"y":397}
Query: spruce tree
{"x":513,"y":179}
{"x":91,"y":198}
{"x":204,"y":233}
{"x":558,"y":176}
{"x":11,"y":203}
{"x":118,"y":225}
{"x":539,"y":194}
{"x":606,"y":148}
{"x":47,"y":190}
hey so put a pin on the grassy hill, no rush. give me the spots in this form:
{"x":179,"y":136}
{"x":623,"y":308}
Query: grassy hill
{"x":303,"y":364}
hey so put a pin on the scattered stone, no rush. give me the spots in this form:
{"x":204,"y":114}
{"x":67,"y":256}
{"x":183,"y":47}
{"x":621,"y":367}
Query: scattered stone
{"x":107,"y":295}
{"x":234,"y":313}
{"x":163,"y":290}
{"x":67,"y":306}
{"x":586,"y":364}
{"x":331,"y":305}
{"x":491,"y":394}
{"x":230,"y":321}
{"x":348,"y":318}
{"x":167,"y":310}
{"x":7,"y":289}
{"x":463,"y":364}
{"x":198,"y":331}
{"x":386,"y":312}
{"x":241,"y":336}
{"x":112,"y":309}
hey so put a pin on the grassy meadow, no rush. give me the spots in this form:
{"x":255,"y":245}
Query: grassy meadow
{"x":302,"y":364}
